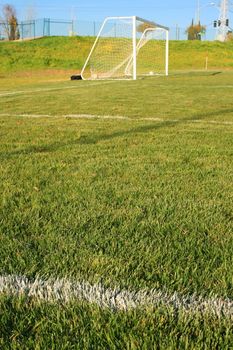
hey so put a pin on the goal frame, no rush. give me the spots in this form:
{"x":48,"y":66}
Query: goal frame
{"x":134,"y":19}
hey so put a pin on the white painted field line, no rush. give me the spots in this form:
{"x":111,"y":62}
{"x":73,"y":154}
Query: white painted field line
{"x":116,"y":117}
{"x":212,"y":122}
{"x":64,"y":290}
{"x":74,"y":116}
{"x":82,"y":116}
{"x":20,"y":92}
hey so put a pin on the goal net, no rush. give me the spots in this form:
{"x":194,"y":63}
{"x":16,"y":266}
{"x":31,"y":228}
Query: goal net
{"x":127,"y":48}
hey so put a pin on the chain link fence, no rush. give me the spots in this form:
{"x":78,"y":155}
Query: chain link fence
{"x":31,"y":29}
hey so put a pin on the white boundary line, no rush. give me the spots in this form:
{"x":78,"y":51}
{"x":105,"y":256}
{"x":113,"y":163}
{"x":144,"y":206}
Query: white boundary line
{"x":21,"y":92}
{"x":116,"y":117}
{"x":64,"y":290}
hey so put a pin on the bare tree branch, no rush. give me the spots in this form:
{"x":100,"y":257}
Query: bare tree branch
{"x":9,"y":22}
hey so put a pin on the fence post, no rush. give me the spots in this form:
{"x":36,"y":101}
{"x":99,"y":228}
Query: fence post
{"x":34,"y":29}
{"x":177,"y":32}
{"x":22,"y":30}
{"x":48,"y":26}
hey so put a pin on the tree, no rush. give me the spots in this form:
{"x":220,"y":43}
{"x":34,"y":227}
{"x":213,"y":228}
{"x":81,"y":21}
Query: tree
{"x":195,"y":31}
{"x":142,"y":27}
{"x":230,"y":36}
{"x":10,"y":22}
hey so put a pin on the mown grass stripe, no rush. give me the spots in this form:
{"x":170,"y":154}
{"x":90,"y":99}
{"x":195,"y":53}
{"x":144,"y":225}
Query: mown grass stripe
{"x":97,"y":83}
{"x":21,"y":92}
{"x":64,"y":290}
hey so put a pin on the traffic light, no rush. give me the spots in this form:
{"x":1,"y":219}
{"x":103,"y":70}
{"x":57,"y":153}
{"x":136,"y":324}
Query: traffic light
{"x":218,"y":23}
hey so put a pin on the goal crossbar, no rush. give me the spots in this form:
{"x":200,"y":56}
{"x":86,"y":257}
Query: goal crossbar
{"x":153,"y":24}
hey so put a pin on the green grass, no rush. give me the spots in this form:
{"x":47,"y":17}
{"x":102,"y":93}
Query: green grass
{"x":131,"y":203}
{"x":70,"y":54}
{"x":81,"y":327}
{"x":51,"y":52}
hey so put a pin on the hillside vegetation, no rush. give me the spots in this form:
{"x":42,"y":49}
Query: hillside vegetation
{"x":70,"y":53}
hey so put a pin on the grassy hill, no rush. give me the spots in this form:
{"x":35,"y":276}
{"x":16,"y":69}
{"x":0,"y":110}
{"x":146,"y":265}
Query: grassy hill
{"x":70,"y":53}
{"x":51,"y":52}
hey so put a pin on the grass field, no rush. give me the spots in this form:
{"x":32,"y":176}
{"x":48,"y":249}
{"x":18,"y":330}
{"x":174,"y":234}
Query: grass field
{"x":125,"y":187}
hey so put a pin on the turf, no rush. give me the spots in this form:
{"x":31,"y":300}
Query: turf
{"x":81,"y":327}
{"x":130,"y":203}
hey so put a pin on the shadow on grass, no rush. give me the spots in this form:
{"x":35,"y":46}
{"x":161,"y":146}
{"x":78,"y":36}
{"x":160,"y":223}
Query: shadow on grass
{"x":96,"y":138}
{"x":88,"y":139}
{"x":151,"y":127}
{"x":93,"y":139}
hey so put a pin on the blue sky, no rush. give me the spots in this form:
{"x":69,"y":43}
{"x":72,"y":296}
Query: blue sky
{"x":167,"y":12}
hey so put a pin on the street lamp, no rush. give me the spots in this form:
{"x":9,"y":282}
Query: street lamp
{"x":199,"y":7}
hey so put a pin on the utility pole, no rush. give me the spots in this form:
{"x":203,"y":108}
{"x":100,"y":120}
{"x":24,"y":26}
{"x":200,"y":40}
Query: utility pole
{"x":198,"y":11}
{"x":223,"y":22}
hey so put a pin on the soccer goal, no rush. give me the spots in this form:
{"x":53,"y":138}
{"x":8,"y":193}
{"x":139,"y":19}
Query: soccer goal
{"x":127,"y":48}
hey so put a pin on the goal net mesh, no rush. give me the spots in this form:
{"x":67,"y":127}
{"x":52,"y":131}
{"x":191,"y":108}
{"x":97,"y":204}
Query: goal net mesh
{"x":112,"y":54}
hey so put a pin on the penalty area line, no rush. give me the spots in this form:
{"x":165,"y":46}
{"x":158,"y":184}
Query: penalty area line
{"x":66,"y":290}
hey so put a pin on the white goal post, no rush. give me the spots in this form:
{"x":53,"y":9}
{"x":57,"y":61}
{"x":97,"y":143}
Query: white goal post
{"x":127,"y":48}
